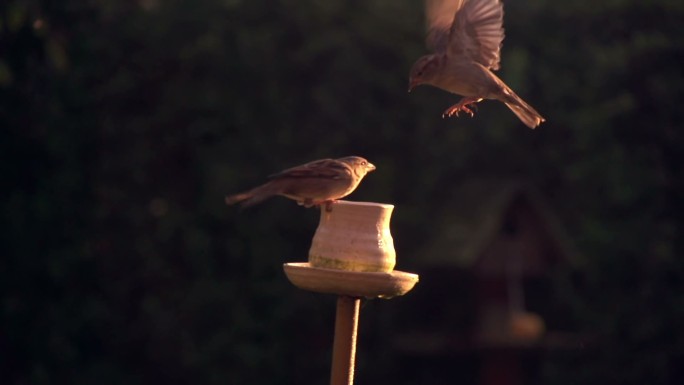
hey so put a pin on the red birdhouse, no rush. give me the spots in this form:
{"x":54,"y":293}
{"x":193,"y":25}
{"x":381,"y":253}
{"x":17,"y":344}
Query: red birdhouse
{"x":486,"y":291}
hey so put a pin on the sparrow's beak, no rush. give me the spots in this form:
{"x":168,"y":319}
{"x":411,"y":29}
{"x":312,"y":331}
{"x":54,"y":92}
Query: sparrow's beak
{"x":370,"y":167}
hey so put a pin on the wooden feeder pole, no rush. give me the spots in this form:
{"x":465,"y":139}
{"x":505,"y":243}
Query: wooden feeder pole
{"x":344,"y":345}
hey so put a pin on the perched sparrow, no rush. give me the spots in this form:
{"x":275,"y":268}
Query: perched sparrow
{"x":466,"y":36}
{"x":311,"y":184}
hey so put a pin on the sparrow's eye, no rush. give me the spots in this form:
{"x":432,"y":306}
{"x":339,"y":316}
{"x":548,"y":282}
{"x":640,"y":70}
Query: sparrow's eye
{"x":363,"y":163}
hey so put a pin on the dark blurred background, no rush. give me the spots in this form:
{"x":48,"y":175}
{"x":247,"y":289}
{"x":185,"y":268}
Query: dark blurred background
{"x":124,"y":124}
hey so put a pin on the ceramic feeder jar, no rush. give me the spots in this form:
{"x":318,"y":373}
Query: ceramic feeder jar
{"x":354,"y":236}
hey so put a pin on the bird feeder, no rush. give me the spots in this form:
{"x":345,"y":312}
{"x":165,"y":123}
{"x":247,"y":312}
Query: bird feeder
{"x":352,"y":256}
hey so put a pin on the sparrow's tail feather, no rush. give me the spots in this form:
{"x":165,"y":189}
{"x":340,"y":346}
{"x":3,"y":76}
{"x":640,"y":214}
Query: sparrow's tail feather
{"x":522,"y":110}
{"x":251,"y":197}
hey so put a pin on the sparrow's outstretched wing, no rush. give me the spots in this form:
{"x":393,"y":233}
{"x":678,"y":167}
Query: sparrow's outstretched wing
{"x":472,"y":29}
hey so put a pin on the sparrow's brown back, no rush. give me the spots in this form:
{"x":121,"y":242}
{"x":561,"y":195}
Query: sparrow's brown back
{"x":323,"y":168}
{"x":311,"y":183}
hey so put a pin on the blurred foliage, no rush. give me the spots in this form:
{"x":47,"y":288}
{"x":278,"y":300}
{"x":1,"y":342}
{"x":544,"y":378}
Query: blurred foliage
{"x":125,"y":123}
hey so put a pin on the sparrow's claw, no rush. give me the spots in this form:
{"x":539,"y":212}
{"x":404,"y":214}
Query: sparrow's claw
{"x":466,"y":105}
{"x":455,"y":109}
{"x":307,"y":202}
{"x":328,"y":205}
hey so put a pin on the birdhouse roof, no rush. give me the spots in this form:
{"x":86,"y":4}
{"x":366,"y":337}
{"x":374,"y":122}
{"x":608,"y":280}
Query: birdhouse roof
{"x":475,"y":215}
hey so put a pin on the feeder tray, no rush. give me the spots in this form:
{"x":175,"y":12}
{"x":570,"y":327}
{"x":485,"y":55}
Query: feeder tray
{"x":350,"y":283}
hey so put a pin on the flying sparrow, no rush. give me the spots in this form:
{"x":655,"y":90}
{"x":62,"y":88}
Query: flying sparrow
{"x":466,"y":36}
{"x":311,"y":184}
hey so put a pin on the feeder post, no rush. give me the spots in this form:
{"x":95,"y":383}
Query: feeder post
{"x":344,"y":345}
